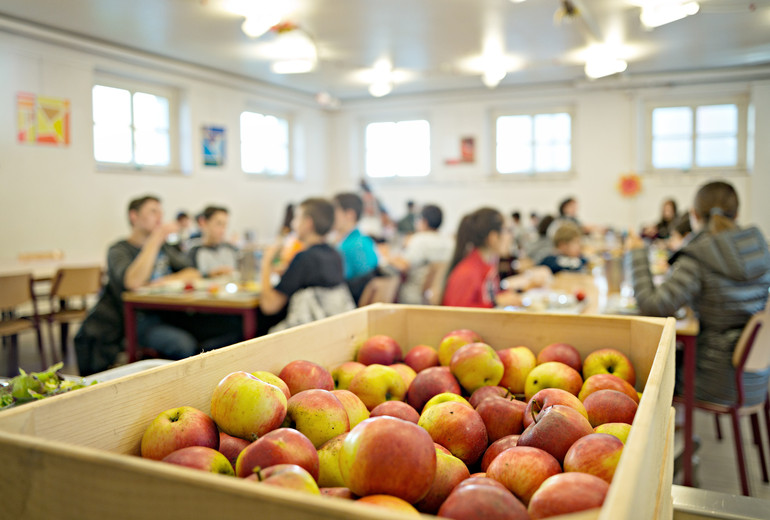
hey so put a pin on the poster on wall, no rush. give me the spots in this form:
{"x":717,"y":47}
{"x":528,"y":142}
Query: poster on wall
{"x":467,"y":152}
{"x":213,"y":146}
{"x":43,"y":120}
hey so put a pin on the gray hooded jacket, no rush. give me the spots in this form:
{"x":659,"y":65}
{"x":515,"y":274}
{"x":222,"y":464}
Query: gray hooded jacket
{"x":724,"y":278}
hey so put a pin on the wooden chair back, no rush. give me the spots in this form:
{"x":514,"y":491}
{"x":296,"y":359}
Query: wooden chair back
{"x":433,"y":287}
{"x":76,"y":281}
{"x":753,"y":347}
{"x":380,"y":289}
{"x":15,"y":290}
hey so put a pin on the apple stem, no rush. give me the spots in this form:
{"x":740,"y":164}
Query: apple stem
{"x":258,"y":471}
{"x":535,"y":410}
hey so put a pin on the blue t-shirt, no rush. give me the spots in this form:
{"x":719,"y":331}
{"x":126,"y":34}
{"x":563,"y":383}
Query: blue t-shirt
{"x":559,"y":263}
{"x":358,"y":254}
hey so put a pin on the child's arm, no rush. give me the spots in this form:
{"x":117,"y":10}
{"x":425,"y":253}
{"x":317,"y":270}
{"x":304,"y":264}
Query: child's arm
{"x":270,"y":300}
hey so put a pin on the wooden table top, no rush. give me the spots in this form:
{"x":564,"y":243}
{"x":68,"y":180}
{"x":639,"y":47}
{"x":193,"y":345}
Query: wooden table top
{"x":239,"y":300}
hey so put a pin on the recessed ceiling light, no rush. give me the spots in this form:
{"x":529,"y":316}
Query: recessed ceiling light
{"x":664,"y":12}
{"x":380,"y":88}
{"x":601,"y":67}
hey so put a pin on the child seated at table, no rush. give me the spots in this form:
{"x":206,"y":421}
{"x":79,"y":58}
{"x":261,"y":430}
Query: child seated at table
{"x":214,"y":256}
{"x":568,"y":255}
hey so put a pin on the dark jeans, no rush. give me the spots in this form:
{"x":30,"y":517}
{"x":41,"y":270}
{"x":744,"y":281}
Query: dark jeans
{"x":177,"y":335}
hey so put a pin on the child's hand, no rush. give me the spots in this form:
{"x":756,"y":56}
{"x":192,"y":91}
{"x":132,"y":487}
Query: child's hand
{"x":634,"y":241}
{"x":508,"y":298}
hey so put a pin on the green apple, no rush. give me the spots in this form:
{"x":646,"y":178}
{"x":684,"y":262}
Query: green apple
{"x":517,"y":364}
{"x":270,"y":378}
{"x":376,"y":384}
{"x":451,"y":342}
{"x":354,"y":406}
{"x":476,"y":365}
{"x":244,"y":406}
{"x":329,"y":462}
{"x":318,"y":414}
{"x":619,"y":430}
{"x":343,"y":374}
{"x":552,"y":374}
{"x":446,"y":397}
{"x":609,"y":361}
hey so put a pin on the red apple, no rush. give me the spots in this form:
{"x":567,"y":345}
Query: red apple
{"x":609,"y":361}
{"x":200,"y":457}
{"x":453,"y":341}
{"x":343,"y":374}
{"x":502,"y":417}
{"x":619,"y":430}
{"x":354,"y":406}
{"x":421,"y":357}
{"x":496,"y":448}
{"x":517,"y":364}
{"x":567,"y":493}
{"x":555,"y":429}
{"x":396,"y":409}
{"x":450,"y":471}
{"x":488,"y":391}
{"x":329,"y":474}
{"x":609,"y":406}
{"x":178,"y":428}
{"x":281,"y":446}
{"x":562,"y":352}
{"x":475,"y":502}
{"x":457,"y":427}
{"x":289,"y":476}
{"x":522,"y":469}
{"x":317,"y":414}
{"x":337,"y":492}
{"x":380,"y":349}
{"x":607,"y":382}
{"x":431,"y":381}
{"x":272,"y":379}
{"x":476,"y":365}
{"x":479,"y":480}
{"x":549,"y":397}
{"x":231,"y":447}
{"x":597,"y":454}
{"x":552,"y":374}
{"x":386,"y":455}
{"x":377,"y":384}
{"x":305,"y":375}
{"x":389,"y":502}
{"x":244,"y":406}
{"x":405,"y":371}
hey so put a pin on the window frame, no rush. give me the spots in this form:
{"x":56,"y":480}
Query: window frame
{"x":397,"y":118}
{"x":289,"y":142}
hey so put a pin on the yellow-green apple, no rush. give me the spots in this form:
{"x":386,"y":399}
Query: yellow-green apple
{"x":450,"y":471}
{"x":386,"y":455}
{"x":302,"y":375}
{"x":567,"y":493}
{"x":486,"y":392}
{"x":552,"y":374}
{"x":431,"y":381}
{"x":376,"y":384}
{"x":609,"y":406}
{"x":343,"y":374}
{"x":380,"y":350}
{"x":563,"y":353}
{"x":607,"y":382}
{"x":354,"y":406}
{"x":337,"y":492}
{"x":619,"y":430}
{"x":231,"y":447}
{"x":445,"y":397}
{"x":244,"y":406}
{"x":178,"y":428}
{"x":479,"y":502}
{"x":439,"y":447}
{"x":476,"y":365}
{"x":609,"y":361}
{"x":517,"y":363}
{"x":496,"y":448}
{"x":480,"y":480}
{"x":269,"y":377}
{"x":555,"y":429}
{"x":522,"y":469}
{"x":318,"y":415}
{"x":597,"y":454}
{"x":421,"y":357}
{"x":453,"y":341}
{"x":549,"y":397}
{"x":405,"y":371}
{"x":289,"y":476}
{"x":389,"y":502}
{"x":458,"y":428}
{"x":329,"y":462}
{"x":396,"y":409}
{"x":200,"y":457}
{"x":502,"y":416}
{"x":281,"y":446}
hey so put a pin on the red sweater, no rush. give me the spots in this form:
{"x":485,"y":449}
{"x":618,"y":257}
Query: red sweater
{"x":472,"y":283}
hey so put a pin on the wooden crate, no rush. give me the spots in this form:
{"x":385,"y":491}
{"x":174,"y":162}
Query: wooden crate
{"x":76,"y":453}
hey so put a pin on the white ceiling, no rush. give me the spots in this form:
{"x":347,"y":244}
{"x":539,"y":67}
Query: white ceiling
{"x":431,"y":43}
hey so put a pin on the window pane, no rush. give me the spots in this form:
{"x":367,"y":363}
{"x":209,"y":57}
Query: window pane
{"x":112,"y":106}
{"x":717,"y":151}
{"x":150,"y":112}
{"x":717,"y":119}
{"x":514,"y":129}
{"x":514,"y":158}
{"x":397,"y":149}
{"x":672,"y":122}
{"x":551,"y":128}
{"x":112,"y":144}
{"x":264,"y":144}
{"x":552,"y":158}
{"x":152,"y":148}
{"x":672,"y":153}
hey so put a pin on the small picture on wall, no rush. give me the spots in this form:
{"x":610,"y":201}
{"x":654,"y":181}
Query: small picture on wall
{"x":213,"y":146}
{"x":42,"y":120}
{"x":467,"y":152}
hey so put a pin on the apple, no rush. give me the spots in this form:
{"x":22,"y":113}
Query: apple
{"x":244,"y":406}
{"x":305,"y":375}
{"x":486,"y":392}
{"x":376,"y":384}
{"x":457,"y":427}
{"x":549,"y":397}
{"x":178,"y":428}
{"x":562,"y":352}
{"x":389,"y":502}
{"x":502,"y":417}
{"x":597,"y":454}
{"x":478,"y":479}
{"x":555,"y":429}
{"x":609,"y":361}
{"x":406,"y":373}
{"x":281,"y":446}
{"x":450,"y":471}
{"x":431,"y":381}
{"x":200,"y":457}
{"x":231,"y":447}
{"x":343,"y":374}
{"x":289,"y":476}
{"x":270,"y":378}
{"x":453,"y":341}
{"x":607,"y":382}
{"x":552,"y":374}
{"x":522,"y":469}
{"x":380,"y":350}
{"x":439,"y":447}
{"x":496,"y":448}
{"x":329,"y":462}
{"x":517,"y":364}
{"x":476,"y":365}
{"x":478,"y":502}
{"x":445,"y":397}
{"x":354,"y":406}
{"x":318,"y":415}
{"x":386,"y":455}
{"x":421,"y":357}
{"x":337,"y":492}
{"x":619,"y":430}
{"x":396,"y":409}
{"x":609,"y":406}
{"x":567,"y":493}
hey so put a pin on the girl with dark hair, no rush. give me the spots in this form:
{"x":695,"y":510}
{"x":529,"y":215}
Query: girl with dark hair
{"x":665,"y":226}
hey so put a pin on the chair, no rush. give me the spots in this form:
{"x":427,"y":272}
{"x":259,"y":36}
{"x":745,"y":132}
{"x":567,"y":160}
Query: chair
{"x":68,"y":300}
{"x":15,"y":292}
{"x":380,"y":289}
{"x":433,"y":287}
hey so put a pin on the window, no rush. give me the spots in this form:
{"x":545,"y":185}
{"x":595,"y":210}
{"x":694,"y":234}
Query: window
{"x":264,"y":144}
{"x":534,"y":143}
{"x":133,"y":127}
{"x":697,"y":137}
{"x":397,"y":149}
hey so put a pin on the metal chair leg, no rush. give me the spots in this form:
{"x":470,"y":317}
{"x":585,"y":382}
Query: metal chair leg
{"x":738,"y":438}
{"x":760,"y":444}
{"x":718,"y":426}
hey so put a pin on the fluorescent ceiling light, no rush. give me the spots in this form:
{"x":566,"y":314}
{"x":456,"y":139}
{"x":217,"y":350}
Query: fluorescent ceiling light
{"x":601,"y":67}
{"x":292,"y":66}
{"x":493,"y":76}
{"x":380,"y":88}
{"x":661,"y":13}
